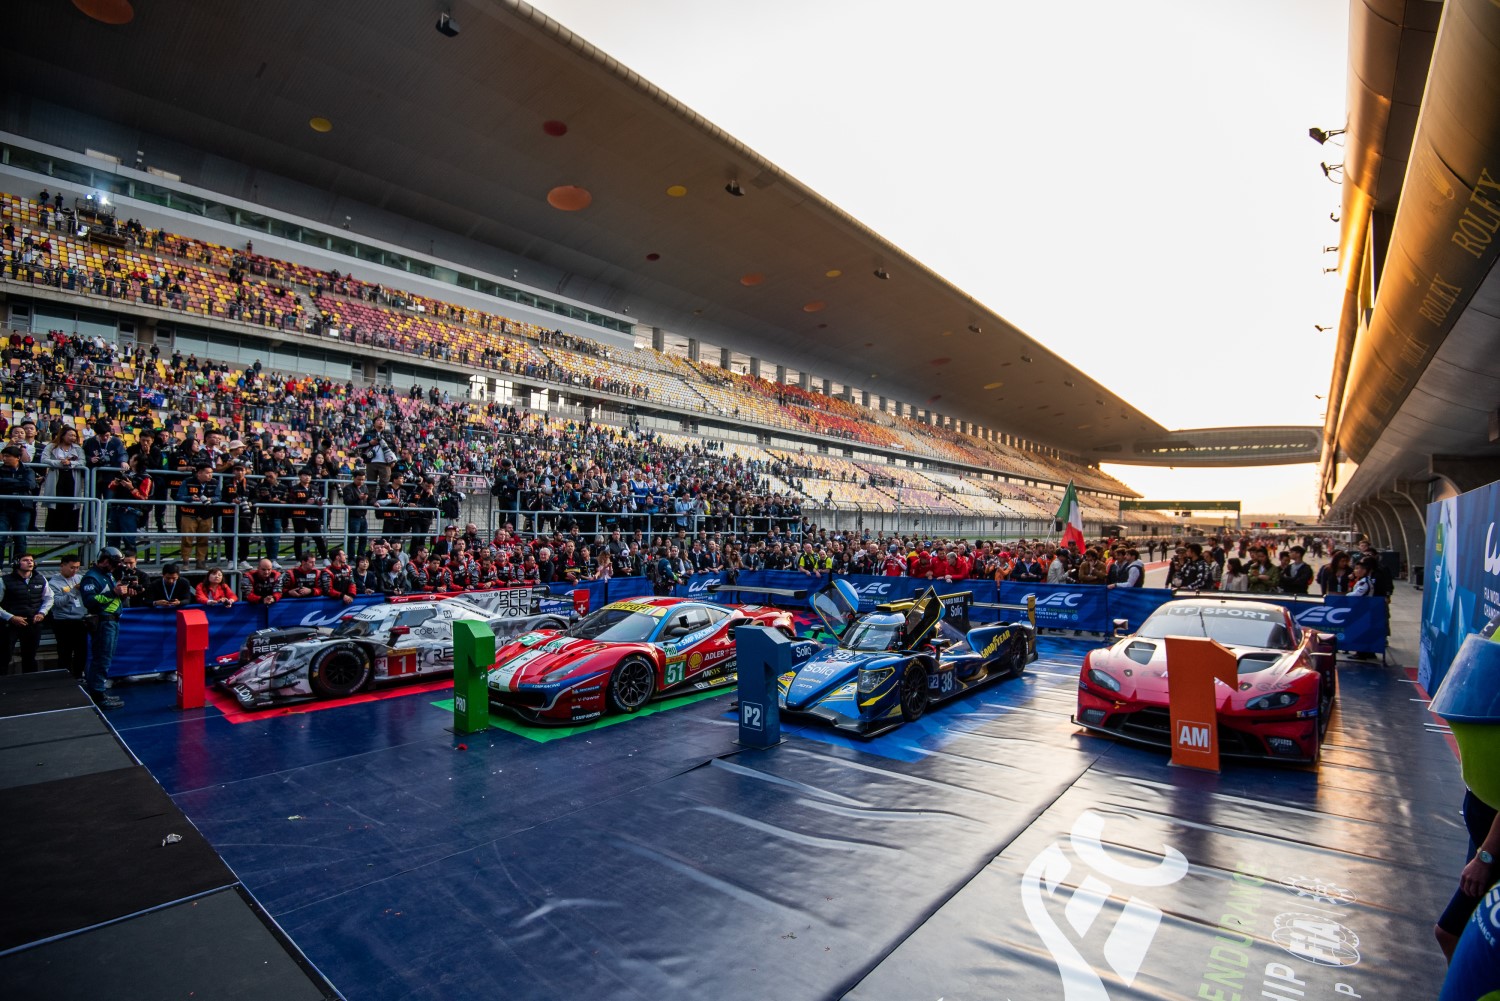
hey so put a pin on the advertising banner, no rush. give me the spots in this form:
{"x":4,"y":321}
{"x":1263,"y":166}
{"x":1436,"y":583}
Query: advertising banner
{"x":1062,"y":606}
{"x":315,"y":612}
{"x":1461,"y":586}
{"x":148,"y":636}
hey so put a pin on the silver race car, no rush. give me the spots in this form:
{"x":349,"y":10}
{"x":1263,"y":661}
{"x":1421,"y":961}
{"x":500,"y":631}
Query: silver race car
{"x":376,"y":644}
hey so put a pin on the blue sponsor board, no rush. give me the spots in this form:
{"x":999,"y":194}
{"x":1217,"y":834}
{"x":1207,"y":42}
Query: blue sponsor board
{"x":1461,"y":577}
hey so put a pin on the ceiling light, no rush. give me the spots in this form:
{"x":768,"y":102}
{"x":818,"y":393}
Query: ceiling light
{"x":1320,"y":137}
{"x":114,"y":12}
{"x":447,"y":26}
{"x":975,"y":328}
{"x":1026,"y":359}
{"x":1320,"y":328}
{"x":1329,"y":169}
{"x":676,"y":191}
{"x":733,"y":187}
{"x":882,"y":274}
{"x":320,"y":124}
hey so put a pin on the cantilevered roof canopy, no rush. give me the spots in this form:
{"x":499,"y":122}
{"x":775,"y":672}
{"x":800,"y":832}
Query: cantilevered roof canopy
{"x":472,"y":133}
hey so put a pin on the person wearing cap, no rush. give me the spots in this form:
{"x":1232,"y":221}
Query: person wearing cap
{"x":104,"y":453}
{"x":103,"y":598}
{"x":25,"y":600}
{"x":197,"y":503}
{"x":67,"y":616}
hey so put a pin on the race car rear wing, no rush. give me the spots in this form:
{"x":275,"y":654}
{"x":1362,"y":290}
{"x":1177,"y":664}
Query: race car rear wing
{"x":798,"y":593}
{"x":1301,"y":599}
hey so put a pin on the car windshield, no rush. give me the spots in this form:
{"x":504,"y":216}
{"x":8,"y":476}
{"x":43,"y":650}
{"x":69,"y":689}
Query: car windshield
{"x":1229,"y":626}
{"x":874,"y":633}
{"x":355,"y":628}
{"x":615,"y":625}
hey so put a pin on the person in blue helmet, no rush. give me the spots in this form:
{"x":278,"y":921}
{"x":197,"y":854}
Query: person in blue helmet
{"x":103,"y":597}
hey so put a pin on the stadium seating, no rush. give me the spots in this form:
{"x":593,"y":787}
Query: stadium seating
{"x":224,"y":283}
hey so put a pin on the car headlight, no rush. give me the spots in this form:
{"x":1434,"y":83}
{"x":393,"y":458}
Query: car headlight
{"x":558,"y":673}
{"x":871,"y":680}
{"x":1275,"y":700}
{"x":1099,"y":679}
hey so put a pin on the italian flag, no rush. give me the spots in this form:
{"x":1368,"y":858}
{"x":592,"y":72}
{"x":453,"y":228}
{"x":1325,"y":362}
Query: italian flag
{"x":1070,"y":514}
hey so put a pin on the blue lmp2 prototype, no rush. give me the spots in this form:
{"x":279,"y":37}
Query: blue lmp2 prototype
{"x":892,"y":663}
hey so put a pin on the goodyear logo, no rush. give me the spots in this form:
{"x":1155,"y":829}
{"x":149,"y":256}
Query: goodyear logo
{"x":995,"y":643}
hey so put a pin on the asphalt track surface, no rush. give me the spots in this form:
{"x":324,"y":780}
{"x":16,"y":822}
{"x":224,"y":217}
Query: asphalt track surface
{"x":989,"y":850}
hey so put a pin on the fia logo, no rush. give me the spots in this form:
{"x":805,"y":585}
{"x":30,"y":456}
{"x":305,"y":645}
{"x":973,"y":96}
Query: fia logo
{"x":1194,"y":736}
{"x":1125,"y":946}
{"x":751,"y":715}
{"x":1491,"y":556}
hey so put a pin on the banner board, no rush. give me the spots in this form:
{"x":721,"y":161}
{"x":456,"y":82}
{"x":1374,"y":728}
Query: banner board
{"x":1461,"y":577}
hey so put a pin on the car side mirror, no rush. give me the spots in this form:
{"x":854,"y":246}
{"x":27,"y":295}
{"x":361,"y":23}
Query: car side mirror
{"x":1121,"y":627}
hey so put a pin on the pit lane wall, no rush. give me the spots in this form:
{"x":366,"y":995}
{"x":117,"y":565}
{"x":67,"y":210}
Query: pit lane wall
{"x":147,"y":643}
{"x":1359,"y":623}
{"x":1461,"y":577}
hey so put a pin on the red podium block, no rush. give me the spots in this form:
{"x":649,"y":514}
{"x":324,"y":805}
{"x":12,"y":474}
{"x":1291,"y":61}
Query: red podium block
{"x":192,"y":644}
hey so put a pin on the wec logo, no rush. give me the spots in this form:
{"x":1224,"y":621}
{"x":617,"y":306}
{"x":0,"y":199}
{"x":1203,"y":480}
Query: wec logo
{"x":1322,"y":615}
{"x":1491,"y":556}
{"x":876,"y":588}
{"x":1125,"y":947}
{"x":702,"y":586}
{"x":1059,"y":599}
{"x":319,"y":619}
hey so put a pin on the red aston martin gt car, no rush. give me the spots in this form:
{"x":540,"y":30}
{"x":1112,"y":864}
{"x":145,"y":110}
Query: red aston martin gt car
{"x":1279,"y":710}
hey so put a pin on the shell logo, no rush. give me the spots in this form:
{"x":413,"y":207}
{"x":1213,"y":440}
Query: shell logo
{"x":695,"y":661}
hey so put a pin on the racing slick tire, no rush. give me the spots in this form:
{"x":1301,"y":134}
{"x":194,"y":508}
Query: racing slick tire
{"x":631,"y":684}
{"x":339,"y":672}
{"x":914,"y":695}
{"x":1019,"y":655}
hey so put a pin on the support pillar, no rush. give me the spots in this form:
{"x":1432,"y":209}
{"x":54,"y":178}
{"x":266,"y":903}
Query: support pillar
{"x":658,"y":339}
{"x":694,"y":351}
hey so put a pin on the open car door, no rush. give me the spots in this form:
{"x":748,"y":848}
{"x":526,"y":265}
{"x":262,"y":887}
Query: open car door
{"x":838,"y":606}
{"x":923,"y":616}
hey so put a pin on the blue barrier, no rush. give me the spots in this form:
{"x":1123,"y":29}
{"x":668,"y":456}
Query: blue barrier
{"x":147,"y":637}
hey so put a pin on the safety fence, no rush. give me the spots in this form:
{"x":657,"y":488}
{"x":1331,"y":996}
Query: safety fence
{"x":147,"y":635}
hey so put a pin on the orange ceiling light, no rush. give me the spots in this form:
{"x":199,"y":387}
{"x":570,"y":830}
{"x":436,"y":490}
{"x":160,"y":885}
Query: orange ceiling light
{"x":569,"y":198}
{"x":555,"y":128}
{"x":993,"y":385}
{"x":320,"y":124}
{"x":677,"y":191}
{"x":832,"y":273}
{"x":816,"y":306}
{"x":107,"y":11}
{"x":753,"y":279}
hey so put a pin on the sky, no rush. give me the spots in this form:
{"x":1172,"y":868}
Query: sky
{"x":1131,"y":184}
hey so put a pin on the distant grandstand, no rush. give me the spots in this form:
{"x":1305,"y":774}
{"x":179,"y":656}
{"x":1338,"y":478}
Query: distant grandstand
{"x":858,"y":467}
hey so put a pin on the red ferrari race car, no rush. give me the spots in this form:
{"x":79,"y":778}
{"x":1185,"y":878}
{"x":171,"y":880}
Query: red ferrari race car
{"x":1279,"y":710}
{"x":623,"y":656}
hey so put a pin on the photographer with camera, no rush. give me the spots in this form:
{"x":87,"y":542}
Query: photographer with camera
{"x":121,"y":489}
{"x":375,"y":449}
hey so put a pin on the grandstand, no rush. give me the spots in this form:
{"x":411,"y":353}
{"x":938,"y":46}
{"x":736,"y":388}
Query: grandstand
{"x":968,"y":478}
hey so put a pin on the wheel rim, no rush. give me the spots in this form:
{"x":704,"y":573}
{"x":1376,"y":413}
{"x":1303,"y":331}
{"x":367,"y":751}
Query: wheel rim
{"x":914,"y":692}
{"x":633,"y":683}
{"x":341,"y":670}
